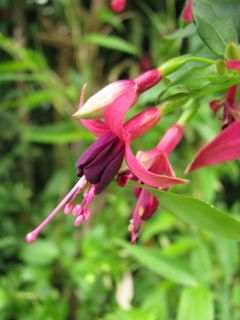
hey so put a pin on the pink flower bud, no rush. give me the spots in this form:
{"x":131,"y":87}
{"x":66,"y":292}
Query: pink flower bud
{"x":117,"y":94}
{"x":118,"y":5}
{"x":187,"y":12}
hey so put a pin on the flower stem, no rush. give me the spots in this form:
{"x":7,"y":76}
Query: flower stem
{"x":172,"y":104}
{"x":175,"y":64}
{"x":189,"y":113}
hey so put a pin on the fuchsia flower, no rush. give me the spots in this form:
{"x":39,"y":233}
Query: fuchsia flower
{"x":101,"y":161}
{"x":226,"y":145}
{"x":154,"y":161}
{"x":119,"y":94}
{"x":118,"y":5}
{"x":187,"y":12}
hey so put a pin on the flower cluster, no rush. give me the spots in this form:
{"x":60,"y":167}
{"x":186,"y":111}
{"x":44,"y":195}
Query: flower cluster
{"x":103,"y":114}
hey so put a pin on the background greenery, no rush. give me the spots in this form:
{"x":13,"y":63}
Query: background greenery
{"x":48,"y":49}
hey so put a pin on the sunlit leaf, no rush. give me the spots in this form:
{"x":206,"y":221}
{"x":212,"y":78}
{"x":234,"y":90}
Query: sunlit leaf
{"x":197,"y":304}
{"x":169,"y":268}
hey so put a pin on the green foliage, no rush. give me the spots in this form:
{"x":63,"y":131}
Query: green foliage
{"x":211,"y":16}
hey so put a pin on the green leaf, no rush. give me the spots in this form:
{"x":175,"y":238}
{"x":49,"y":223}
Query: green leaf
{"x":112,"y":42}
{"x":198,"y":213}
{"x":217,"y":23}
{"x":63,"y":132}
{"x":169,"y":268}
{"x":197,"y":304}
{"x":182,"y":33}
{"x":42,"y":252}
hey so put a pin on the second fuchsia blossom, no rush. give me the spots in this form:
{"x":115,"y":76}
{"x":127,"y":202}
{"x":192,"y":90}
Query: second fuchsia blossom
{"x":154,"y":161}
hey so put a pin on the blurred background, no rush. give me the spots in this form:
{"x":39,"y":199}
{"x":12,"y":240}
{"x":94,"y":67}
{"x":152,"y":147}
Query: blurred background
{"x":48,"y":49}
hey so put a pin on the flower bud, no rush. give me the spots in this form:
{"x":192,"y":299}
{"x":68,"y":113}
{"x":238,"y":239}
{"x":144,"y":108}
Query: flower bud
{"x":232,"y":51}
{"x":118,"y":5}
{"x":118,"y":93}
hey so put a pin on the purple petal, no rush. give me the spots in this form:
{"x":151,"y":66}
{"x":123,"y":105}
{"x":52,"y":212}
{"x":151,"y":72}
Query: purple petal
{"x":95,"y":148}
{"x":110,"y":171}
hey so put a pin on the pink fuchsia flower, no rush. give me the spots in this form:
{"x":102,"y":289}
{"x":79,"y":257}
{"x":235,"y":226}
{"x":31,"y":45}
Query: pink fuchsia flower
{"x":187,"y":12}
{"x":224,"y":147}
{"x":118,"y":93}
{"x":118,"y":5}
{"x":154,"y":161}
{"x":101,"y":161}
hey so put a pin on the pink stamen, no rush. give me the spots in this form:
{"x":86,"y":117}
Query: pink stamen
{"x":30,"y":237}
{"x":136,"y":224}
{"x":77,"y":210}
{"x":68,"y":208}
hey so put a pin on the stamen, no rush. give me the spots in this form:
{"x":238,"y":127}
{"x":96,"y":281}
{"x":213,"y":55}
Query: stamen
{"x":77,"y":210}
{"x":30,"y":237}
{"x":141,"y":211}
{"x":87,"y":215}
{"x":68,"y":208}
{"x":78,"y":221}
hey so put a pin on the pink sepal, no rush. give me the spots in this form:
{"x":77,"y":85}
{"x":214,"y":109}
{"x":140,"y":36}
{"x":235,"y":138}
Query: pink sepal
{"x":96,"y":127}
{"x":224,"y":147}
{"x":148,"y":177}
{"x":115,"y":113}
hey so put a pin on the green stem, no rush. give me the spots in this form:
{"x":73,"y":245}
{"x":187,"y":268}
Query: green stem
{"x":189,"y":113}
{"x":175,"y":64}
{"x":172,"y":105}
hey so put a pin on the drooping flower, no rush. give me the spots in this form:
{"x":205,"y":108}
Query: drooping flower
{"x":118,"y":93}
{"x":118,"y":5}
{"x":154,"y":161}
{"x":101,"y":161}
{"x":187,"y":12}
